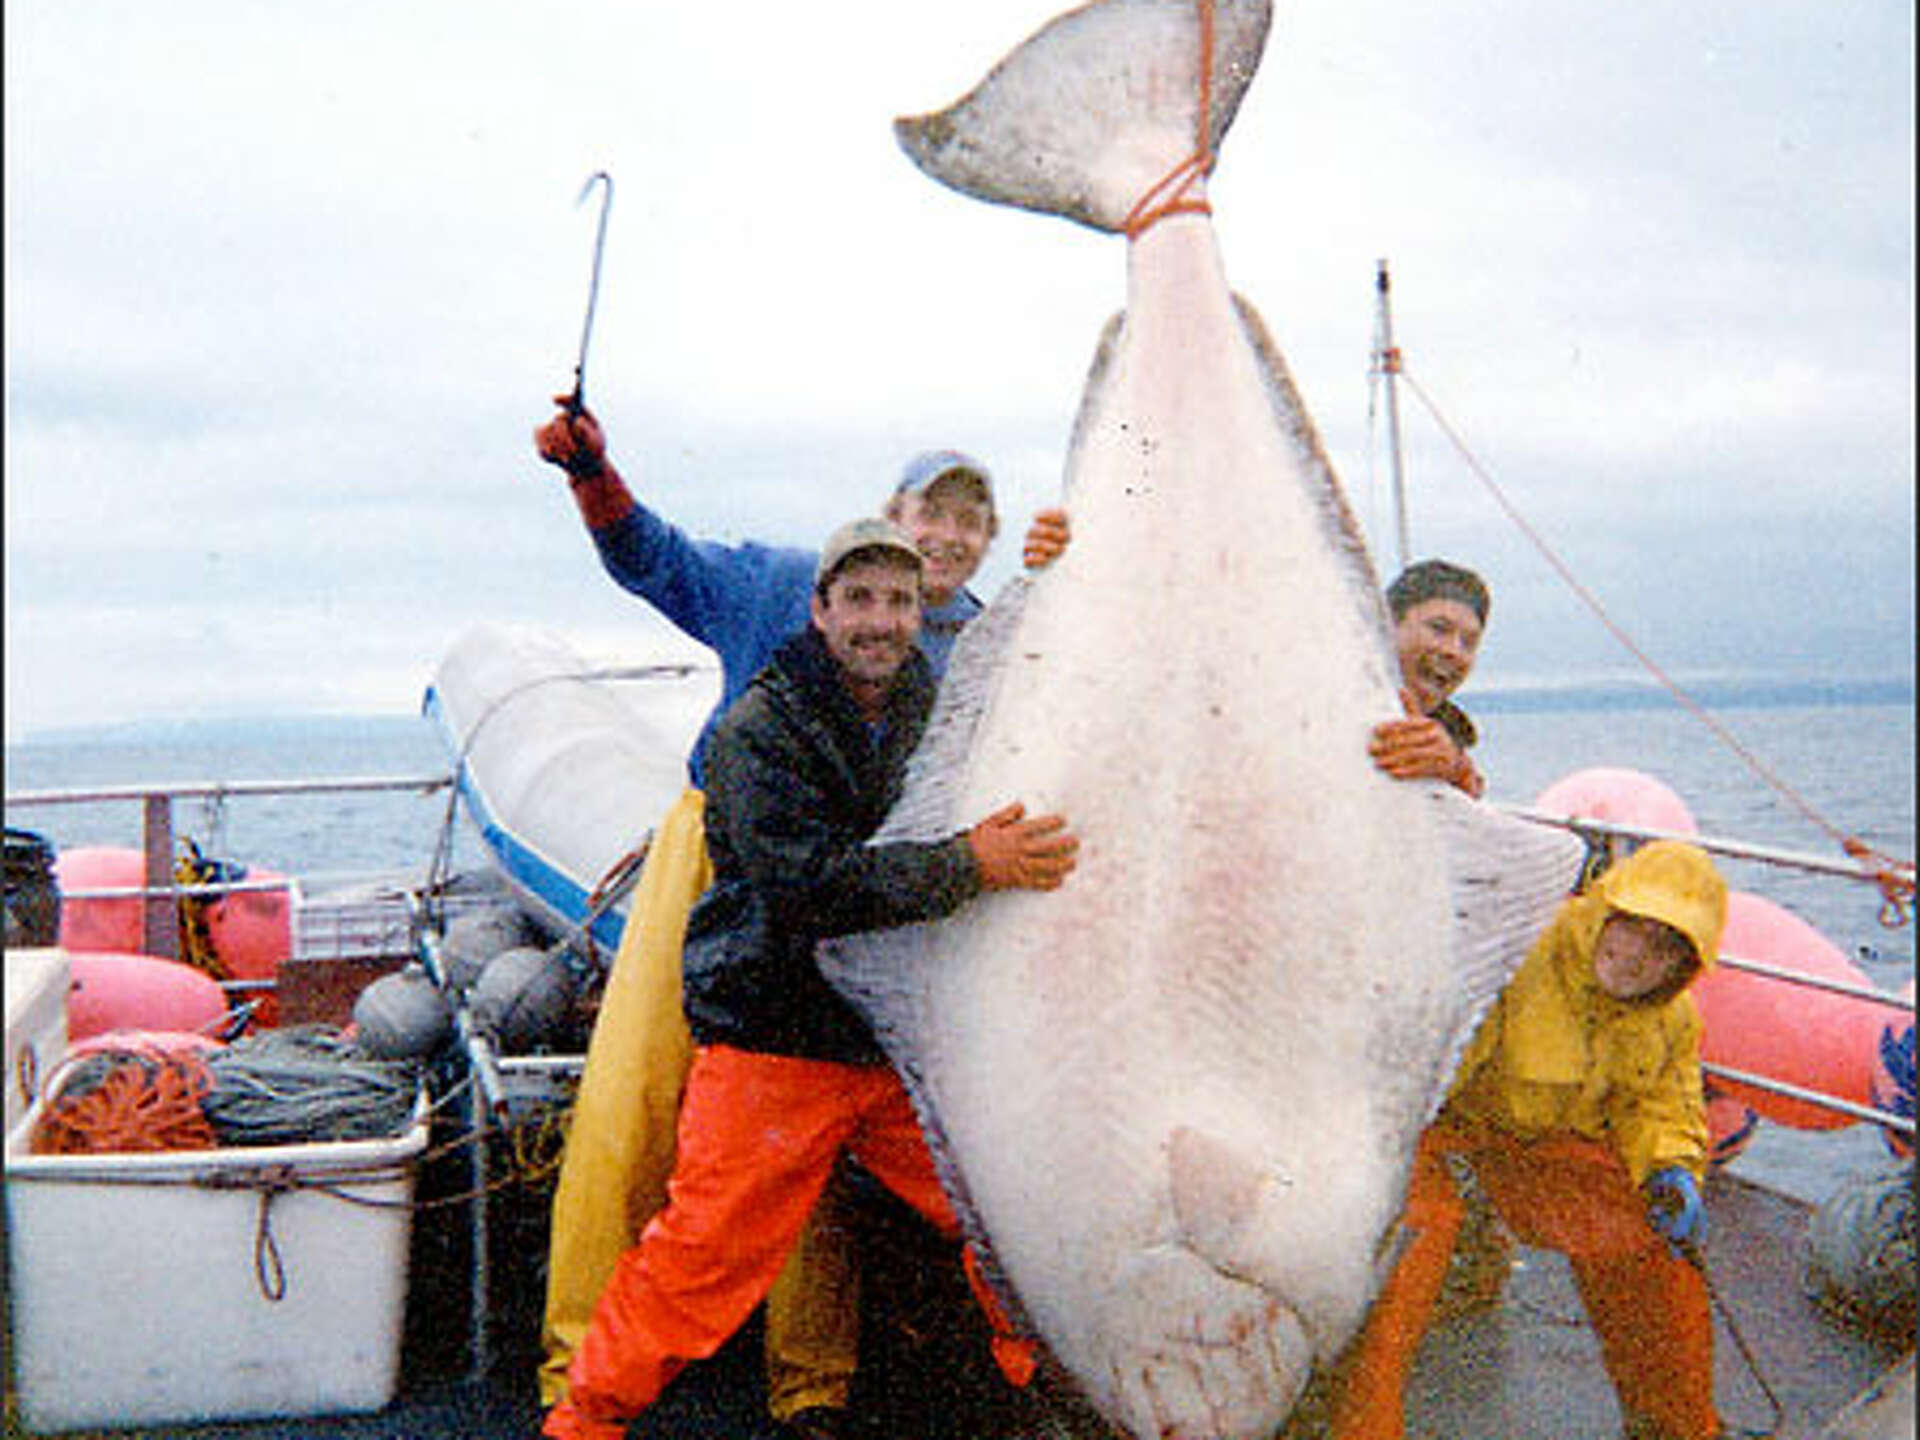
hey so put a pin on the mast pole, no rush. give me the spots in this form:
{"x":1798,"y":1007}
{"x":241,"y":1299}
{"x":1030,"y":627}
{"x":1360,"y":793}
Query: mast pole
{"x":1387,"y":359}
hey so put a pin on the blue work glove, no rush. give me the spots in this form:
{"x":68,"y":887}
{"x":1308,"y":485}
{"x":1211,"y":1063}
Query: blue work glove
{"x":1674,"y":1208}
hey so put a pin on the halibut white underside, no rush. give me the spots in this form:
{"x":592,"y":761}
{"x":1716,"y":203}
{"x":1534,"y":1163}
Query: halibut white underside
{"x":1176,"y":1100}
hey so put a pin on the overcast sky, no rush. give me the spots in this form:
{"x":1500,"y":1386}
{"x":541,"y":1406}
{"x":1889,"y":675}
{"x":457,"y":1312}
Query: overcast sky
{"x":288,"y":286}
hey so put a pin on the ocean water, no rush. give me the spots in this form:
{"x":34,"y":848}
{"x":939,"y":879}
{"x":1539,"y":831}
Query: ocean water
{"x":297,"y":835}
{"x":1853,"y":764}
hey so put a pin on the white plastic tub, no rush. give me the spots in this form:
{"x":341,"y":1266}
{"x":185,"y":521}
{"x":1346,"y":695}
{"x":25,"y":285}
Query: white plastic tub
{"x":141,"y":1283}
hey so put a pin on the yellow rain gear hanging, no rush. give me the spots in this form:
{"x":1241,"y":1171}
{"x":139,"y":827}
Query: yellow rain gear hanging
{"x":621,"y":1146}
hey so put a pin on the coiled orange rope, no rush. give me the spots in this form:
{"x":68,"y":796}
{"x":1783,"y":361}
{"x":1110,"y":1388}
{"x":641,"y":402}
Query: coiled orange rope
{"x":1171,"y":194}
{"x":118,"y":1101}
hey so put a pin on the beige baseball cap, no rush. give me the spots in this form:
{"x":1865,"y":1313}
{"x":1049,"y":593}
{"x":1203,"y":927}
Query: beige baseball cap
{"x":872,"y":533}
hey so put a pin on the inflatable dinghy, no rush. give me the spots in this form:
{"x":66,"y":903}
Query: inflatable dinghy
{"x":565,"y":766}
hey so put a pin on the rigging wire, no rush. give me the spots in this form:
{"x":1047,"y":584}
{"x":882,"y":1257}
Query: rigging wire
{"x":1893,"y":876}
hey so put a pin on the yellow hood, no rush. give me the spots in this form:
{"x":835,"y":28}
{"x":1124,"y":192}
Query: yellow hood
{"x":1676,"y":884}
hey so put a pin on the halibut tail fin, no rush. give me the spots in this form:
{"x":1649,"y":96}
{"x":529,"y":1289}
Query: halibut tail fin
{"x":1095,"y":108}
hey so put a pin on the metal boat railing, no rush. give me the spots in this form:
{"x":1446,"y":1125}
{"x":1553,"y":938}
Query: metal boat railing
{"x":163,"y":890}
{"x":1712,"y":844}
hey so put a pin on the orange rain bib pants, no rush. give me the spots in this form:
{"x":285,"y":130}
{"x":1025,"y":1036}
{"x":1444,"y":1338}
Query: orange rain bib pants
{"x":759,"y":1136}
{"x":620,"y":1150}
{"x":1564,"y":1192}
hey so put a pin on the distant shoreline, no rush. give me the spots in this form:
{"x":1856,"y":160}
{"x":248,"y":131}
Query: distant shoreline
{"x":1714,"y":694}
{"x":205,"y":729}
{"x":1495,"y":699}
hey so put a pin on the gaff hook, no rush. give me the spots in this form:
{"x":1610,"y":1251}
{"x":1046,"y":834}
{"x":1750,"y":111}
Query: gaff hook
{"x":577,"y":401}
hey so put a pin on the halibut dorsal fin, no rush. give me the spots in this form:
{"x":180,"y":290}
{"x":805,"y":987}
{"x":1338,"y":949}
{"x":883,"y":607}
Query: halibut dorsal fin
{"x":1507,"y":877}
{"x":1337,"y":521}
{"x":1093,"y":395}
{"x":929,"y":804}
{"x":881,"y":970}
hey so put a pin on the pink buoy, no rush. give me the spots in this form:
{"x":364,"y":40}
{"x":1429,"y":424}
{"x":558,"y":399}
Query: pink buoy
{"x":139,"y":992}
{"x":1621,"y":797}
{"x":250,"y":931}
{"x":1813,"y":1039}
{"x":1893,"y":1072}
{"x":100,"y":923}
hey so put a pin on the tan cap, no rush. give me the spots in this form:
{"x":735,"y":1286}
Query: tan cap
{"x":872,"y":533}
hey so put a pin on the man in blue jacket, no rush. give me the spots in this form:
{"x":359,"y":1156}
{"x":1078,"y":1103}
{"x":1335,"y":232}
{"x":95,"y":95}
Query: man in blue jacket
{"x":742,"y":601}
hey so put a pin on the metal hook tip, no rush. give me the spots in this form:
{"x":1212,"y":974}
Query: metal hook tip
{"x":592,"y":180}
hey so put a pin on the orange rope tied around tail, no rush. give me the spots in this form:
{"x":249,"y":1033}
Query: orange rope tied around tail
{"x":121,"y":1101}
{"x":1170,"y":195}
{"x":1895,"y":878}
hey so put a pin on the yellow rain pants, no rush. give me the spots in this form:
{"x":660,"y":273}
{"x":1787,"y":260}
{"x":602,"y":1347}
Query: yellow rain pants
{"x":620,"y":1150}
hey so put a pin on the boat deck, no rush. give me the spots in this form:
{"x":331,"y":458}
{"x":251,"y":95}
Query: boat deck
{"x":1531,"y":1370}
{"x":1526,"y":1369}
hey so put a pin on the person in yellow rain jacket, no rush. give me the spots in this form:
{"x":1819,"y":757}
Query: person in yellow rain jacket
{"x":1578,"y":1108}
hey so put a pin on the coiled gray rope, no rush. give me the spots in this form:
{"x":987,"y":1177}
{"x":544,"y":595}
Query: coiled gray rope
{"x":306,"y":1084}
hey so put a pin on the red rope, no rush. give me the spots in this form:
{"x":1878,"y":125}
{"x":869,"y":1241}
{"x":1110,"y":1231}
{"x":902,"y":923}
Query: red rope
{"x":140,"y":1099}
{"x":1894,"y":877}
{"x":1177,"y":184}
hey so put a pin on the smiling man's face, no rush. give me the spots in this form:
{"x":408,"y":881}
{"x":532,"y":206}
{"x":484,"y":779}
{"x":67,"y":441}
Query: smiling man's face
{"x":1438,"y":641}
{"x":951,"y":523}
{"x":870,"y":616}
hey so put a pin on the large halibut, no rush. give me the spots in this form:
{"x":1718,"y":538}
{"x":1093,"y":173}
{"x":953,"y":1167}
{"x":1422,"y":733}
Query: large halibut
{"x":1176,"y":1100}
